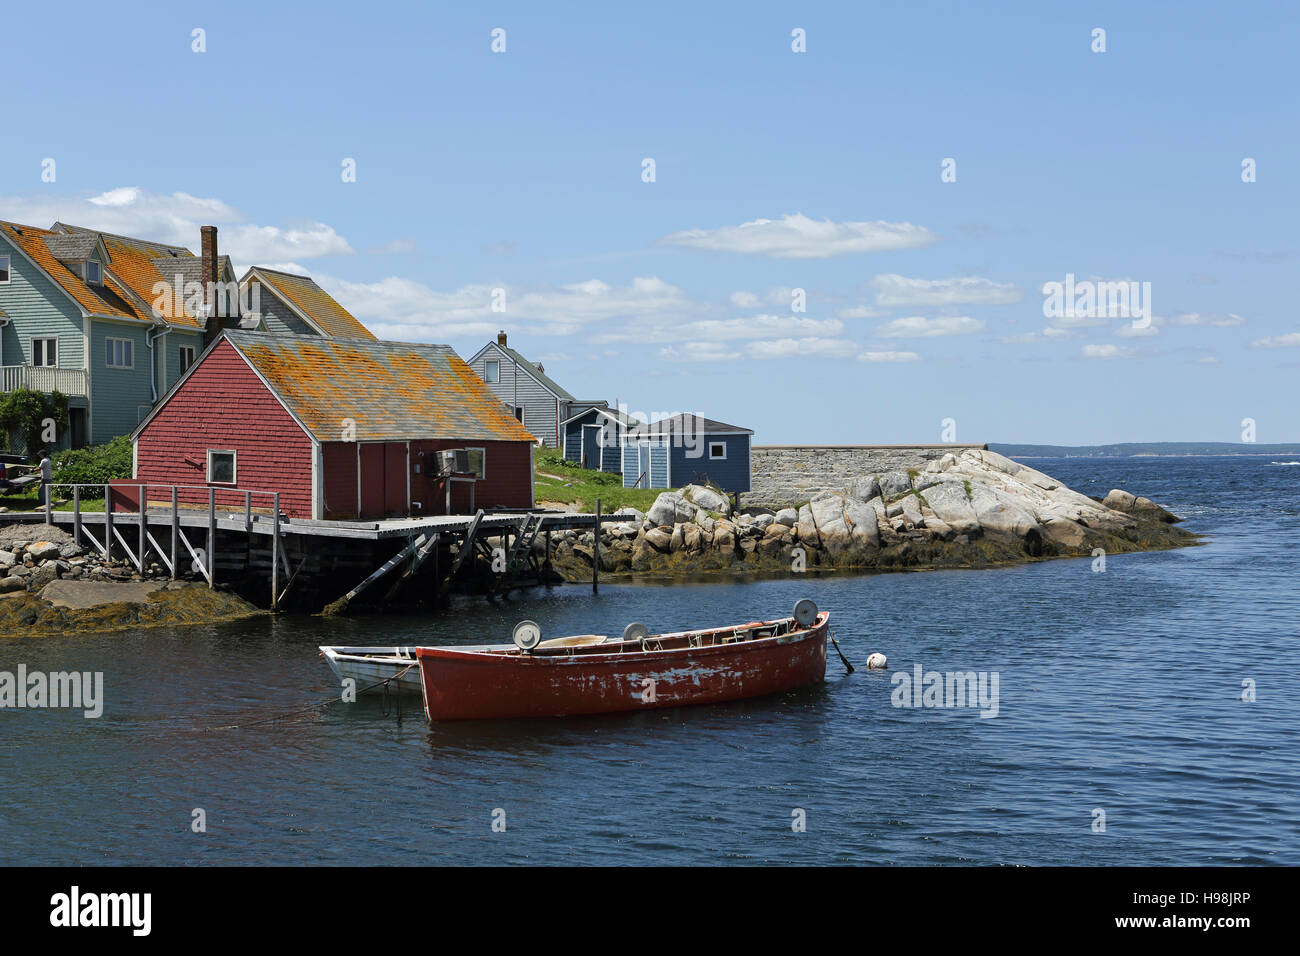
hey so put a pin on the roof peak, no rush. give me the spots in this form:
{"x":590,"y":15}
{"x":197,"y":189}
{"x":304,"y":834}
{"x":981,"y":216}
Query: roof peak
{"x":114,"y":235}
{"x":326,"y":339}
{"x":280,"y":272}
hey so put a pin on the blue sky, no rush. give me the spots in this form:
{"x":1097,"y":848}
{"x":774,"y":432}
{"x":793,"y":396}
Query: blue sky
{"x":522,"y":171}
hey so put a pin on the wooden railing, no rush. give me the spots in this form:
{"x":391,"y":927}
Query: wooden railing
{"x":42,"y":378}
{"x":127,"y":505}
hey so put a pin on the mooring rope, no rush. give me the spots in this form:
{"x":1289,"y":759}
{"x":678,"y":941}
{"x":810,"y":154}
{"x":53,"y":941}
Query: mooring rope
{"x":322,"y":705}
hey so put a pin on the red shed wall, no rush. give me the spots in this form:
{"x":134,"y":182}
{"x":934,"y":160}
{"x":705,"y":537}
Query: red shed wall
{"x":224,"y":405}
{"x":508,"y":483}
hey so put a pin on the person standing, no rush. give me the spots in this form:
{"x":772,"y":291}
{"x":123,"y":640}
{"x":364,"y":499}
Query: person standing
{"x":46,"y":468}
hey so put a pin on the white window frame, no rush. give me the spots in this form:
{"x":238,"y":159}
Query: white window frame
{"x":31,"y":350}
{"x":234,"y":466}
{"x":8,"y":269}
{"x":109,"y":340}
{"x":718,"y":444}
{"x":194,"y":356}
{"x":487,"y":375}
{"x":521,"y":414}
{"x":96,"y":264}
{"x":482,"y":452}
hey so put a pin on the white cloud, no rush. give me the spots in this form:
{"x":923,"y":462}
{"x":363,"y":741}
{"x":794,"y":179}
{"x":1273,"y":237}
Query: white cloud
{"x":1221,"y":321}
{"x":758,"y":326}
{"x":745,"y":300}
{"x":1048,"y":334}
{"x":919,"y":327}
{"x":291,"y":267}
{"x":1107,"y":352}
{"x":1131,"y":331}
{"x":404,"y":309}
{"x":799,"y":348}
{"x":896,"y":290}
{"x":811,"y":346}
{"x":798,"y":237}
{"x":860,"y":312}
{"x":872,"y":356}
{"x":1289,"y":340}
{"x":699,"y":352}
{"x":306,"y":240}
{"x":719,"y":330}
{"x":1186,"y":319}
{"x":175,"y":219}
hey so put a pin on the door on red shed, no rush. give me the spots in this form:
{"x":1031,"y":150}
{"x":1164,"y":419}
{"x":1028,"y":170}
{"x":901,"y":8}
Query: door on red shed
{"x":396,"y":503}
{"x":372,"y":480}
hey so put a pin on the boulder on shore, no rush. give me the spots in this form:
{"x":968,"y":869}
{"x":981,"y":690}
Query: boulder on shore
{"x":969,"y":509}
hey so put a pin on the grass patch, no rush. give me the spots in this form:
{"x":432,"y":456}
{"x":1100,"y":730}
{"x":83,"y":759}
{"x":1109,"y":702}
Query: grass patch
{"x":31,"y":502}
{"x":556,"y":479}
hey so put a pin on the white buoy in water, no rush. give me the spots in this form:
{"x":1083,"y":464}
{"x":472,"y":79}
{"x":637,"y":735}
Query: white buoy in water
{"x":877,"y":661}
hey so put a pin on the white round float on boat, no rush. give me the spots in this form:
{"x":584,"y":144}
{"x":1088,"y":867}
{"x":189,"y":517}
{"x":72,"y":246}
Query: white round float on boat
{"x":877,"y":661}
{"x":527,"y":635}
{"x":636,"y":632}
{"x":805,"y":612}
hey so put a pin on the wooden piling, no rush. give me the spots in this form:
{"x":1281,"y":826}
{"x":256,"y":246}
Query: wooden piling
{"x":176,"y":527}
{"x":108,"y":523}
{"x":595,"y":553}
{"x":144,"y":530}
{"x":211,"y":556}
{"x":76,"y":515}
{"x":275,"y":553}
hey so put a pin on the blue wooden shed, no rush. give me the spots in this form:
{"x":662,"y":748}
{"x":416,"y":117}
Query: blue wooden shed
{"x":593,"y":438}
{"x":687,"y":449}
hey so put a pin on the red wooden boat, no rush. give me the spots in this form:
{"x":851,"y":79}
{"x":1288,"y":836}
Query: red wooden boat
{"x":642,"y":671}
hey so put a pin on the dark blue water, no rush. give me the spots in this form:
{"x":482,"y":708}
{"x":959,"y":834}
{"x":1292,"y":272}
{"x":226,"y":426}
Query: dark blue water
{"x":1119,"y":691}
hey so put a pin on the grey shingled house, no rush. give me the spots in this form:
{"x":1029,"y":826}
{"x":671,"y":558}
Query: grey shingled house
{"x":539,"y":402}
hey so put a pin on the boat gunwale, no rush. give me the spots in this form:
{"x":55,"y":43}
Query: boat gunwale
{"x":510,"y":654}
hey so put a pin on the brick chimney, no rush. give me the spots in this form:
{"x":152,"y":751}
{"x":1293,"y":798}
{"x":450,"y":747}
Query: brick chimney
{"x":208,"y":275}
{"x":501,"y":338}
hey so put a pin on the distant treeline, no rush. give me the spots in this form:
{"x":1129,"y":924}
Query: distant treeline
{"x":1131,"y":449}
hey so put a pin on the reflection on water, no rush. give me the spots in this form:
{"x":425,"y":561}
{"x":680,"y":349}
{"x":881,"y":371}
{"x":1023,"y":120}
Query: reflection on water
{"x":1118,"y":691}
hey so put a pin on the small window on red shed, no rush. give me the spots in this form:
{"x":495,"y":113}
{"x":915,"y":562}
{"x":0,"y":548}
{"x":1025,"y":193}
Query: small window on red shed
{"x":221,"y":467}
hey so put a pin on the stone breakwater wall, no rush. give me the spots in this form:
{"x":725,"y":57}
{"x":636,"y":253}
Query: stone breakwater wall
{"x":790,"y":475}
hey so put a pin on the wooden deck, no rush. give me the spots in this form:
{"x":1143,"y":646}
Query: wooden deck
{"x":247,"y":539}
{"x":377,"y":530}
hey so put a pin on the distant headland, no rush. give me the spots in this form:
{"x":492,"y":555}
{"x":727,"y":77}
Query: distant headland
{"x":1145,"y":449}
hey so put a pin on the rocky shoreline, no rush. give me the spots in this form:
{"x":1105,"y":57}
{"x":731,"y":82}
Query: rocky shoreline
{"x":969,"y":510}
{"x":51,"y":585}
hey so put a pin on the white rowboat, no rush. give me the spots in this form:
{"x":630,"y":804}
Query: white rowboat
{"x":370,"y":667}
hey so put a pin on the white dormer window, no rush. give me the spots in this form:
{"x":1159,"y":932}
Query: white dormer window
{"x":94,"y":272}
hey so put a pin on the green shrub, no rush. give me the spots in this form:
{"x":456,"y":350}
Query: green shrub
{"x":24,"y":411}
{"x":96,"y":465}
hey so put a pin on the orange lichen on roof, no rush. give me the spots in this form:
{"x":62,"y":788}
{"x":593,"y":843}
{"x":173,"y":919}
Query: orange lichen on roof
{"x":110,"y":302}
{"x":317,"y":304}
{"x":133,"y":264}
{"x":384,"y":390}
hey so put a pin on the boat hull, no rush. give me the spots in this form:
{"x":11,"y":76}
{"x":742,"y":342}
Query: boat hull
{"x":371,"y":667}
{"x":469,"y":684}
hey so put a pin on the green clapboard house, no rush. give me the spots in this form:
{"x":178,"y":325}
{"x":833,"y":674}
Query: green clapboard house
{"x":113,"y":322}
